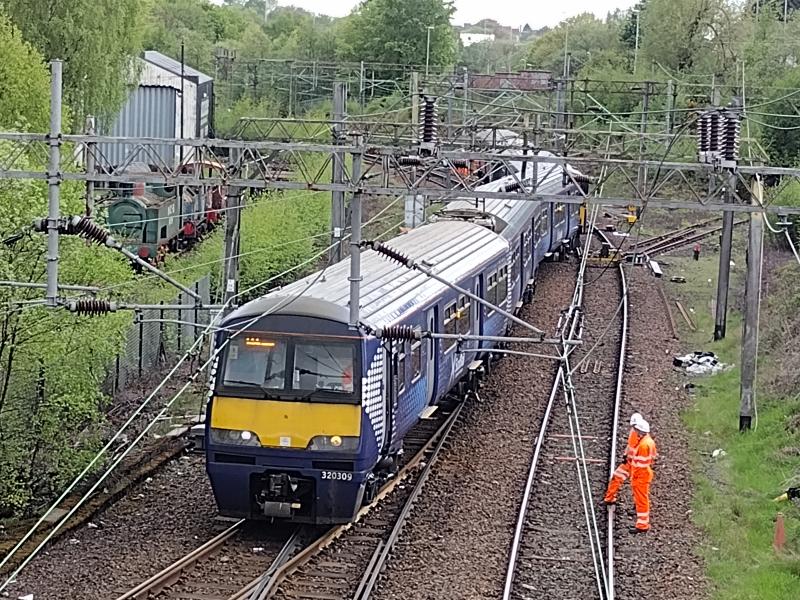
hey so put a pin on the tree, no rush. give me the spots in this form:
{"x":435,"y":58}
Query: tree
{"x":96,"y":40}
{"x":680,"y":34}
{"x":200,"y":26}
{"x":781,"y":134}
{"x":24,"y":103}
{"x":394,"y":32}
{"x":592,"y":43}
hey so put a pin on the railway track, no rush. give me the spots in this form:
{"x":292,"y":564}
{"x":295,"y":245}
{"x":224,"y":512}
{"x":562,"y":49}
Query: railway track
{"x":563,"y":541}
{"x":244,"y":563}
{"x":679,"y":238}
{"x":227,"y":566}
{"x":346,"y":562}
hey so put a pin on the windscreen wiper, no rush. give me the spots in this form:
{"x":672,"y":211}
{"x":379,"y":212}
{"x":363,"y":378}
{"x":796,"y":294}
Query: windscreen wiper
{"x":268,"y":393}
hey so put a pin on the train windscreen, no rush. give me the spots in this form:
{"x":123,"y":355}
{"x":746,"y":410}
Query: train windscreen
{"x":308,"y":369}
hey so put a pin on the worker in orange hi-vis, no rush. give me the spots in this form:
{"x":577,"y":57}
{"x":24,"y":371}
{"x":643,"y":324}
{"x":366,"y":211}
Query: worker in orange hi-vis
{"x":623,"y":471}
{"x":639,"y":458}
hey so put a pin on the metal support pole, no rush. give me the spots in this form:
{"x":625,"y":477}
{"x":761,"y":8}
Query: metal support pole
{"x":670,"y":106}
{"x":54,"y":183}
{"x":723,"y":279}
{"x":560,"y":110}
{"x":361,"y":86}
{"x":755,"y":246}
{"x":465,"y":107}
{"x":415,"y":104}
{"x":641,"y":179}
{"x":232,"y":239}
{"x":355,"y":240}
{"x":337,"y":175}
{"x":90,"y":166}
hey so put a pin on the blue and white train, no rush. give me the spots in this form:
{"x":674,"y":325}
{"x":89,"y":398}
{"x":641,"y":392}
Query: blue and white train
{"x":307,"y":415}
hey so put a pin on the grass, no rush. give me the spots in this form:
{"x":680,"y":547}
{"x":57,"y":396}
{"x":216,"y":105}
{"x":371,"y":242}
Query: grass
{"x":733,"y":503}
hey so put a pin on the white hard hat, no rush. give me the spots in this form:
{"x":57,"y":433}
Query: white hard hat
{"x":643,"y":425}
{"x":636,"y":418}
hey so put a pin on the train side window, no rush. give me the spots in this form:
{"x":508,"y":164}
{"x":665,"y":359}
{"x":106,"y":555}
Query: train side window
{"x":450,"y":325}
{"x":502,"y":285}
{"x":416,"y":361}
{"x":163,"y":233}
{"x":491,"y":290}
{"x":515,"y":265}
{"x":463,"y":316}
{"x":400,"y":376}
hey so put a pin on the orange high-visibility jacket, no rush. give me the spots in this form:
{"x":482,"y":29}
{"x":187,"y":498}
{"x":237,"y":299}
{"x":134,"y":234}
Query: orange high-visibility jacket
{"x":630,"y":450}
{"x":643,"y":457}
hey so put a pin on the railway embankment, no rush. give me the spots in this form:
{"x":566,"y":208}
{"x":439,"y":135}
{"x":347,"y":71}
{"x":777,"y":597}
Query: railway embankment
{"x":737,"y":475}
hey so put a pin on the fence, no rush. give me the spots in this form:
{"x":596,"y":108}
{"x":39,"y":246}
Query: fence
{"x":157,"y":335}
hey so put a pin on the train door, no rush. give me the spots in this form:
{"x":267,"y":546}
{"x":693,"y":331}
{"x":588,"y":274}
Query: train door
{"x":523,"y":259}
{"x":430,"y":356}
{"x":476,"y":312}
{"x":390,"y":395}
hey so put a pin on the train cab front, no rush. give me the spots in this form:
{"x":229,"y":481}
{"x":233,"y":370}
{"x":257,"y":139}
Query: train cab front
{"x":284,"y":425}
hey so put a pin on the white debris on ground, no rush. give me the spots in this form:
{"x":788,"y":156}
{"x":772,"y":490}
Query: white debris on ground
{"x":700,"y":363}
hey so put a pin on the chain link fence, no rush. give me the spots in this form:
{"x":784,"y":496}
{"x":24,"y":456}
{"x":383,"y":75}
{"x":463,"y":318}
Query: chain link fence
{"x":157,"y":335}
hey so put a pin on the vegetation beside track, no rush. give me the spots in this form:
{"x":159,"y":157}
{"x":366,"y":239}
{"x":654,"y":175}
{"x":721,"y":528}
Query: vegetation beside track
{"x":734,"y":492}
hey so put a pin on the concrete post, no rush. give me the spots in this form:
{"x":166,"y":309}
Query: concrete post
{"x":755,"y":247}
{"x":723,"y":278}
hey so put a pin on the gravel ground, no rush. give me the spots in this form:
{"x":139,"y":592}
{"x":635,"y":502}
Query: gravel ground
{"x":662,"y":562}
{"x":456,"y":542}
{"x":162,"y":518}
{"x":555,"y":555}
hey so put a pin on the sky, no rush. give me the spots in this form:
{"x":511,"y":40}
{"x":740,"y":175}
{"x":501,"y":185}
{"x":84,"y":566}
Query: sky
{"x":537,"y":13}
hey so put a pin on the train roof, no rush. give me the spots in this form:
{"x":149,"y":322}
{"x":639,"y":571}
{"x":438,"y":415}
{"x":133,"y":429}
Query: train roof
{"x":503,"y":210}
{"x":388,"y":290}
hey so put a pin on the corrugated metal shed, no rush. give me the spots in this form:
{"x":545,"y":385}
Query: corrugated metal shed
{"x":149,"y":112}
{"x":174,"y":66}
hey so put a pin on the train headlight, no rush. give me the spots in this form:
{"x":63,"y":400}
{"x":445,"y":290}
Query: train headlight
{"x":333,"y":443}
{"x":234,"y":437}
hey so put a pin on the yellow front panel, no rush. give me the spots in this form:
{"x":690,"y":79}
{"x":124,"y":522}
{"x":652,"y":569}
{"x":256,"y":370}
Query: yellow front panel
{"x":286,"y":424}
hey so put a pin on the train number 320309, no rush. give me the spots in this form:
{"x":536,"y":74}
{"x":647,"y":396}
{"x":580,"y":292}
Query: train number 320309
{"x":337,"y":475}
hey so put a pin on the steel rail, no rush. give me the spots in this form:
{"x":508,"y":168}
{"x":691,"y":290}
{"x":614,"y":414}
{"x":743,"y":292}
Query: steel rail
{"x":516,"y":541}
{"x":376,"y":566}
{"x":172,"y":573}
{"x":611,"y":511}
{"x":567,"y":321}
{"x":656,"y":239}
{"x":281,"y":573}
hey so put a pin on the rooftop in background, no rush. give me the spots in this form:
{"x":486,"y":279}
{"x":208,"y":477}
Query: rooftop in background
{"x":174,"y":66}
{"x":527,"y":80}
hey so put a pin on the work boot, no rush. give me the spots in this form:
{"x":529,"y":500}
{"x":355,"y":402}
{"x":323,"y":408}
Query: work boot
{"x":635,"y":530}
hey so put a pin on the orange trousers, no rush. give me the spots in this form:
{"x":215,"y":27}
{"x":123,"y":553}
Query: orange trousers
{"x":640,"y":484}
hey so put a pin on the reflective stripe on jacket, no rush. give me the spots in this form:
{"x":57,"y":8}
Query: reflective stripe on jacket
{"x":645,"y":453}
{"x":630,"y":450}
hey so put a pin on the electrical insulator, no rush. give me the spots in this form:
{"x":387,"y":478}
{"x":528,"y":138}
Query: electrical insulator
{"x":716,"y":133}
{"x":429,"y":125}
{"x":404,"y":161}
{"x":86,"y":228}
{"x":400,"y":333}
{"x":389,"y":253}
{"x":704,"y":135}
{"x":733,"y":129}
{"x":91,"y":307}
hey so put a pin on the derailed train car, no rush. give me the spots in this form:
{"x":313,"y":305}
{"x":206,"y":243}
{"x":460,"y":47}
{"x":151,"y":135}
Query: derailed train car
{"x":307,"y":416}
